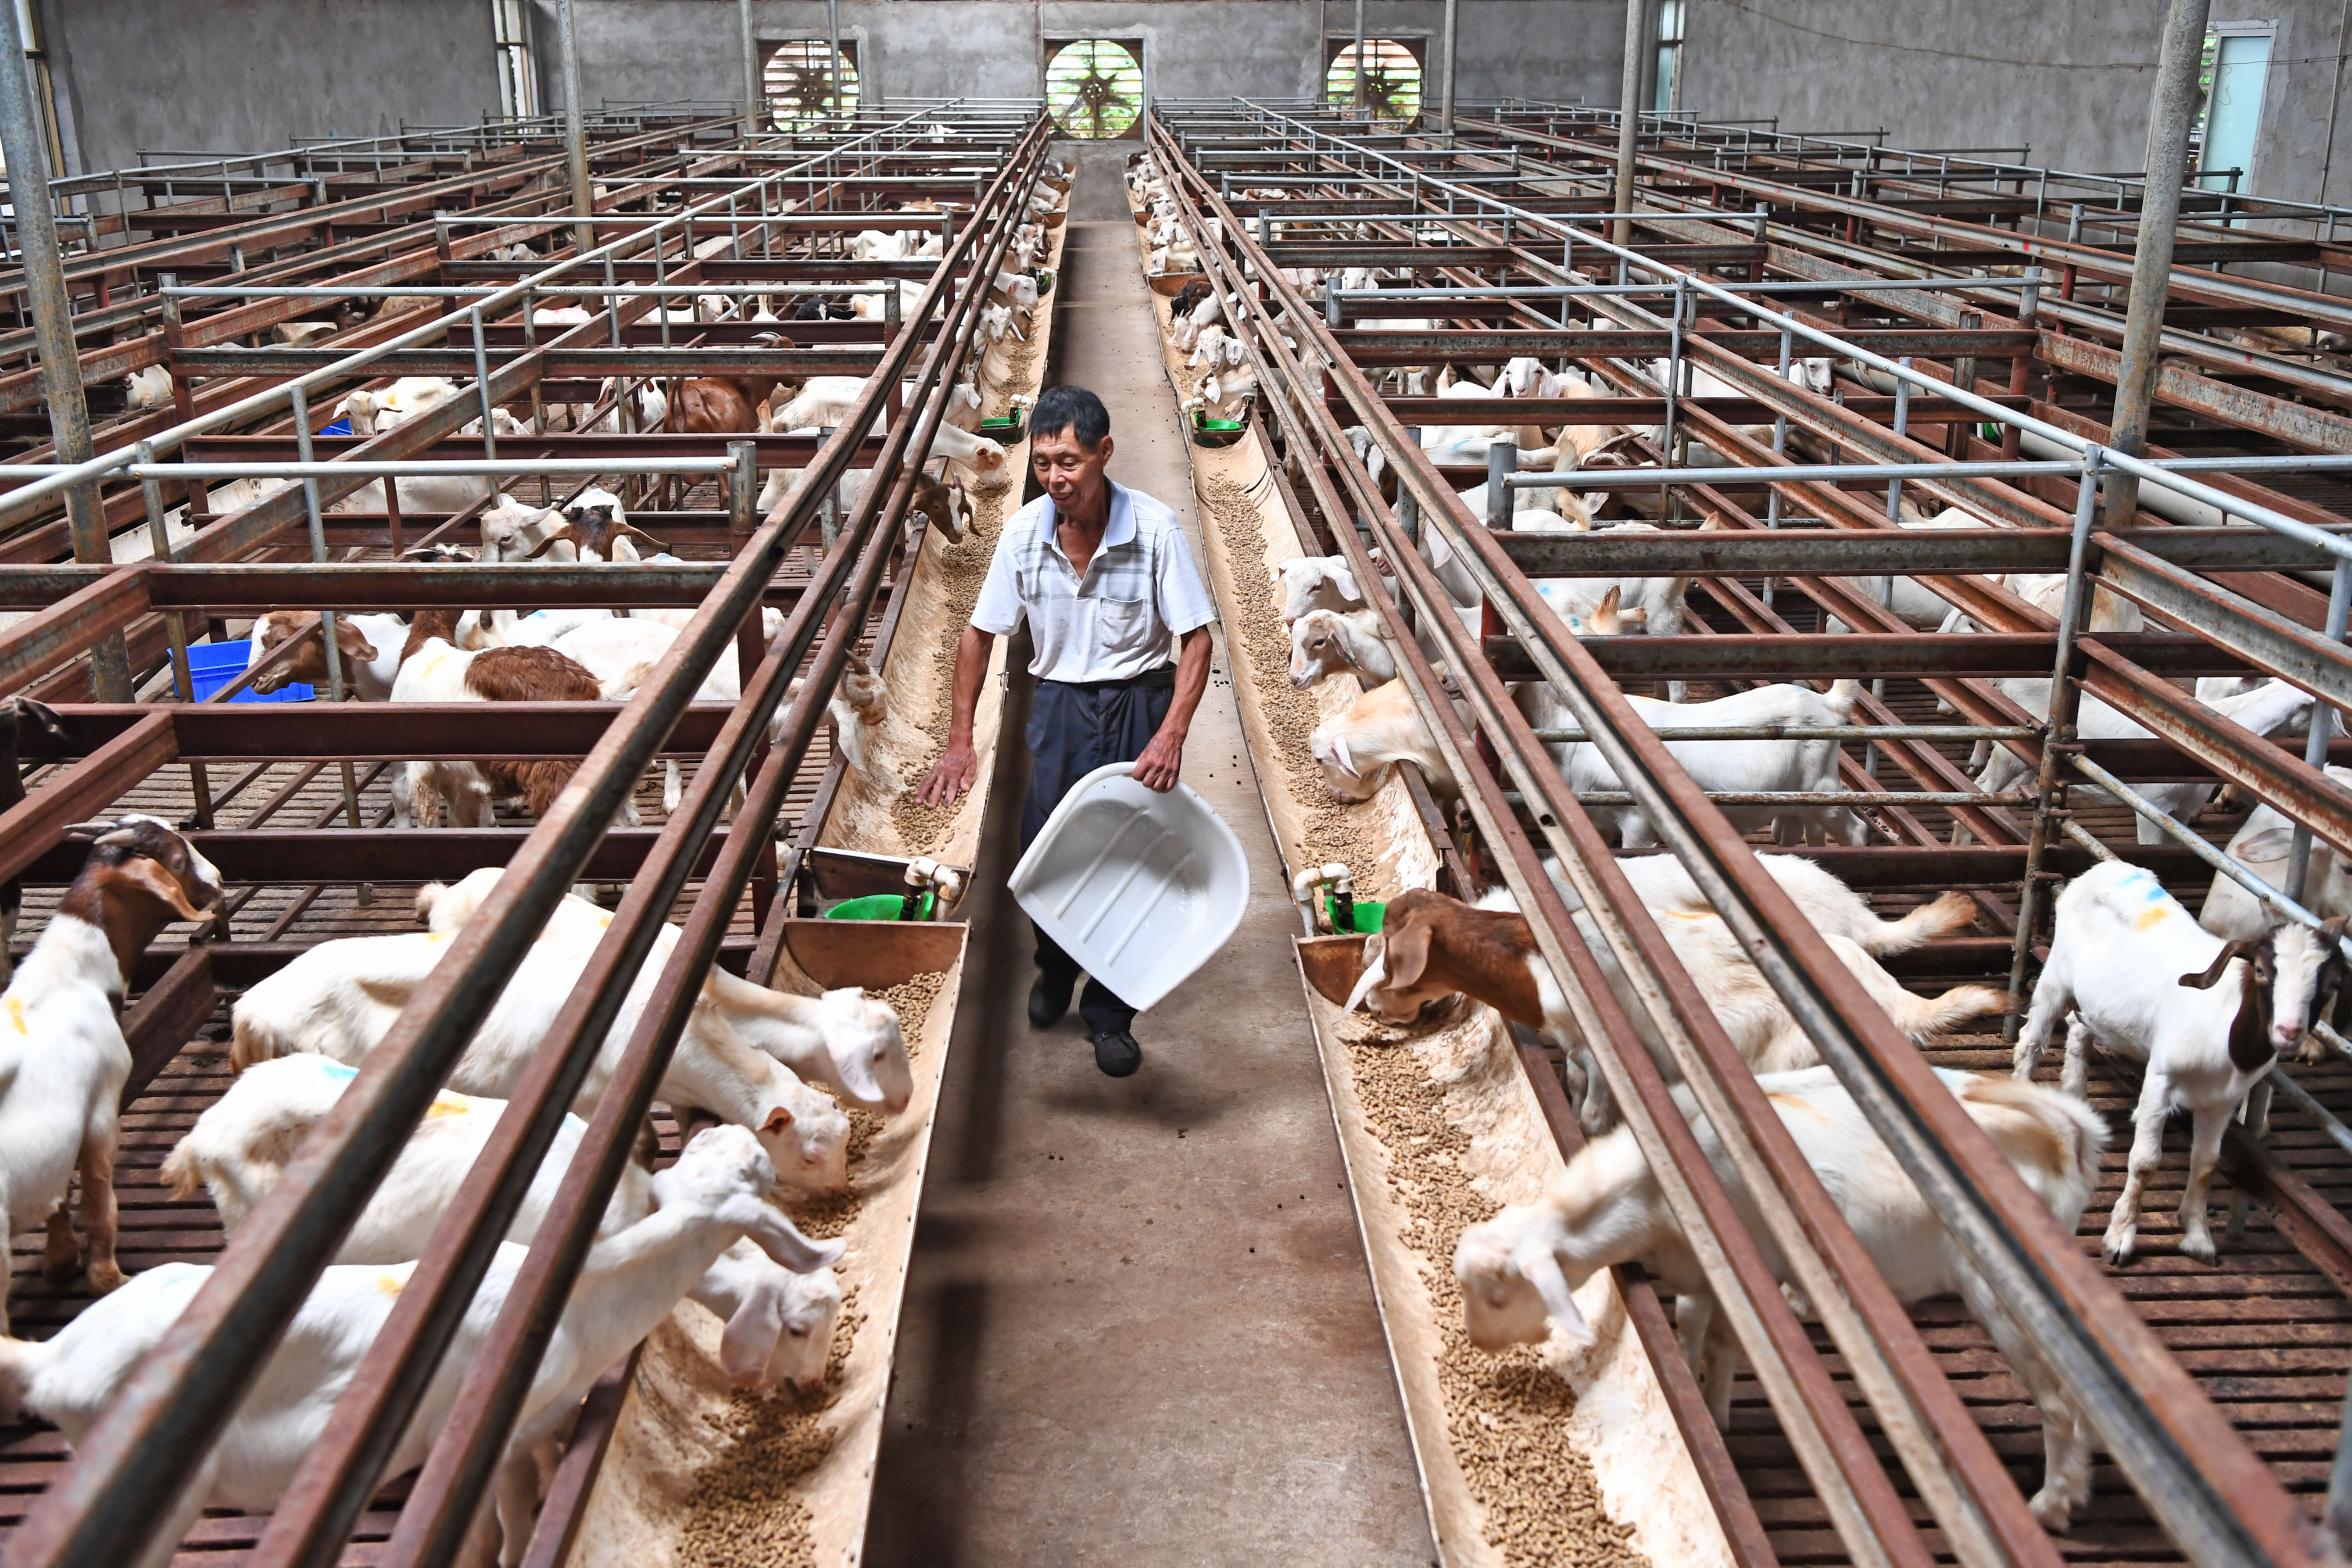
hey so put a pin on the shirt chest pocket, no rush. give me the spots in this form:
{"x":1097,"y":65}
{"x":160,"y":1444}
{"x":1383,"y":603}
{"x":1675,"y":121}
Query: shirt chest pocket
{"x":1122,"y":626}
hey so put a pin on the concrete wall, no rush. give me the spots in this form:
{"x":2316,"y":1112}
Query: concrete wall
{"x":2071,"y":81}
{"x":938,"y":48}
{"x":245,"y":75}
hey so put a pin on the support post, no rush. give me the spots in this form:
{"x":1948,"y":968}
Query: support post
{"x":833,"y":62}
{"x":750,"y":72}
{"x":25,"y":144}
{"x":175,"y":629}
{"x":2170,"y":116}
{"x":575,"y":132}
{"x":1629,"y":123}
{"x":2058,"y":735}
{"x":1452,"y":41}
{"x":1357,"y":73}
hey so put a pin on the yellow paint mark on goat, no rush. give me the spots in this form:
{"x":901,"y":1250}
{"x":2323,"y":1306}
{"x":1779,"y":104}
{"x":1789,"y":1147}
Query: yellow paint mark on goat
{"x":17,"y":1017}
{"x":390,"y":1283}
{"x":446,"y":1104}
{"x":2152,"y":916}
{"x":1797,"y":1103}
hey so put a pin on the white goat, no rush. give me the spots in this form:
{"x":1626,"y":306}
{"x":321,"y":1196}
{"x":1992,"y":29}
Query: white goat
{"x":63,"y":1059}
{"x":2265,"y":846}
{"x":1516,"y":1270}
{"x":712,"y":1197}
{"x":2143,"y":979}
{"x":1745,"y":766}
{"x":2268,"y":710}
{"x":1357,"y":747}
{"x":244,"y":1140}
{"x":1315,"y":583}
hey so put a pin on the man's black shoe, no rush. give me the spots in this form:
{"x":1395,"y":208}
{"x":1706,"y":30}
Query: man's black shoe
{"x":1117,"y":1053}
{"x":1048,"y":1001}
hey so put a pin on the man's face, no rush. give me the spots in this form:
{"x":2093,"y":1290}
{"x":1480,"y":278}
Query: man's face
{"x":1068,"y":471}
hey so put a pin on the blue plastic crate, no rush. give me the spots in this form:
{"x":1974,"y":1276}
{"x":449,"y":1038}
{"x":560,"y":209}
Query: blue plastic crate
{"x":213,"y":664}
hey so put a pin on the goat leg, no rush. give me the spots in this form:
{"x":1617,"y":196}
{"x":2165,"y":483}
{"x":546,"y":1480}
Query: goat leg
{"x":60,"y":1254}
{"x":2204,"y":1153}
{"x":98,"y":1210}
{"x":2146,"y":1154}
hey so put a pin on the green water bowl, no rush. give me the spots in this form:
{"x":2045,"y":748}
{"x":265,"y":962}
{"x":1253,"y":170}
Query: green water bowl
{"x":1209,"y":432}
{"x":1004,"y":430}
{"x":880,"y":907}
{"x":1368,"y":916}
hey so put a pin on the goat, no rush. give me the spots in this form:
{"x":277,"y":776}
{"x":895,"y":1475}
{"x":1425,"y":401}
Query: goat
{"x":711,"y":1198}
{"x":1315,"y":583}
{"x":869,"y":734}
{"x":244,"y":1140}
{"x":63,"y":1057}
{"x":2268,"y":710}
{"x":433,"y":669}
{"x":370,"y":647}
{"x":2142,"y":978}
{"x":1381,"y":728}
{"x":1517,"y":1270}
{"x":1431,"y":947}
{"x":1325,"y":643}
{"x":2265,"y":846}
{"x":1763,"y":765}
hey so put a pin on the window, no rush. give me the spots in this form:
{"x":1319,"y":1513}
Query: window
{"x":1095,"y":88}
{"x":2237,"y":65}
{"x":804,"y":78}
{"x":1392,"y":80}
{"x":518,"y":88}
{"x":1673,"y":15}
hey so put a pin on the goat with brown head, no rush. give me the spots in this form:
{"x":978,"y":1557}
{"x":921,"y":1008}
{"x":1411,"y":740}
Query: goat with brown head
{"x":140,"y":877}
{"x":1431,"y":947}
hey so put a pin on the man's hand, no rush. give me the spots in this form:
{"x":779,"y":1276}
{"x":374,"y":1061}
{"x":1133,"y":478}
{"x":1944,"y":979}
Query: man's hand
{"x":1157,"y":768}
{"x":953,"y":773}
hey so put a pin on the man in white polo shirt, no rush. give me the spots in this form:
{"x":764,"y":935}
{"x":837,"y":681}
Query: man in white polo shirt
{"x":1120,"y":622}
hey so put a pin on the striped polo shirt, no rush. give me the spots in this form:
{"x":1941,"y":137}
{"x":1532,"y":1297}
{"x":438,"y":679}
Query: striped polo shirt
{"x":1141,"y":591}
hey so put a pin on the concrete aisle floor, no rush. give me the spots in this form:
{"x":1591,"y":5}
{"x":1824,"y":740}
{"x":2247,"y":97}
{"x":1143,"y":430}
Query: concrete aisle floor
{"x":1138,"y":1327}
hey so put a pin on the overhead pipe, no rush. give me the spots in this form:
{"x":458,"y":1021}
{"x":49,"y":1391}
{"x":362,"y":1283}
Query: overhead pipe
{"x":25,"y":147}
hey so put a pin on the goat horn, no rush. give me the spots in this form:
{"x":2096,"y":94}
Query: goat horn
{"x":2221,"y":961}
{"x":89,"y":829}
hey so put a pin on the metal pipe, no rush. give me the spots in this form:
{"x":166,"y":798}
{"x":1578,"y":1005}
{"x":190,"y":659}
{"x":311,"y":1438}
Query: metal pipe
{"x":25,"y":143}
{"x":1452,"y":39}
{"x":2170,"y":117}
{"x":575,"y":132}
{"x":2321,"y":724}
{"x":1629,"y":124}
{"x":751,"y":73}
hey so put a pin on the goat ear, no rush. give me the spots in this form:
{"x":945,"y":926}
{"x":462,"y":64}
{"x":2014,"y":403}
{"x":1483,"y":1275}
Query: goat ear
{"x":353,"y":641}
{"x":2233,"y":949}
{"x":2270,"y":845}
{"x":1408,"y":954}
{"x":560,"y":534}
{"x":1540,"y":1266}
{"x":155,"y":879}
{"x":751,"y":1333}
{"x":1374,"y":971}
{"x":41,"y":713}
{"x":778,"y":1120}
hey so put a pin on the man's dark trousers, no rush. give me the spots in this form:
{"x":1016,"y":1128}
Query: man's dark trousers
{"x":1074,"y":729}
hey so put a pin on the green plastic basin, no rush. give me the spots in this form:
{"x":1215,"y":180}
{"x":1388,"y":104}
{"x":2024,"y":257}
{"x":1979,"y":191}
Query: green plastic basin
{"x":878,"y":907}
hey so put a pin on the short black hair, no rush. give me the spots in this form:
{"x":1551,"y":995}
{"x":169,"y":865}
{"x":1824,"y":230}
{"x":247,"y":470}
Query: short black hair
{"x":1071,"y":408}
